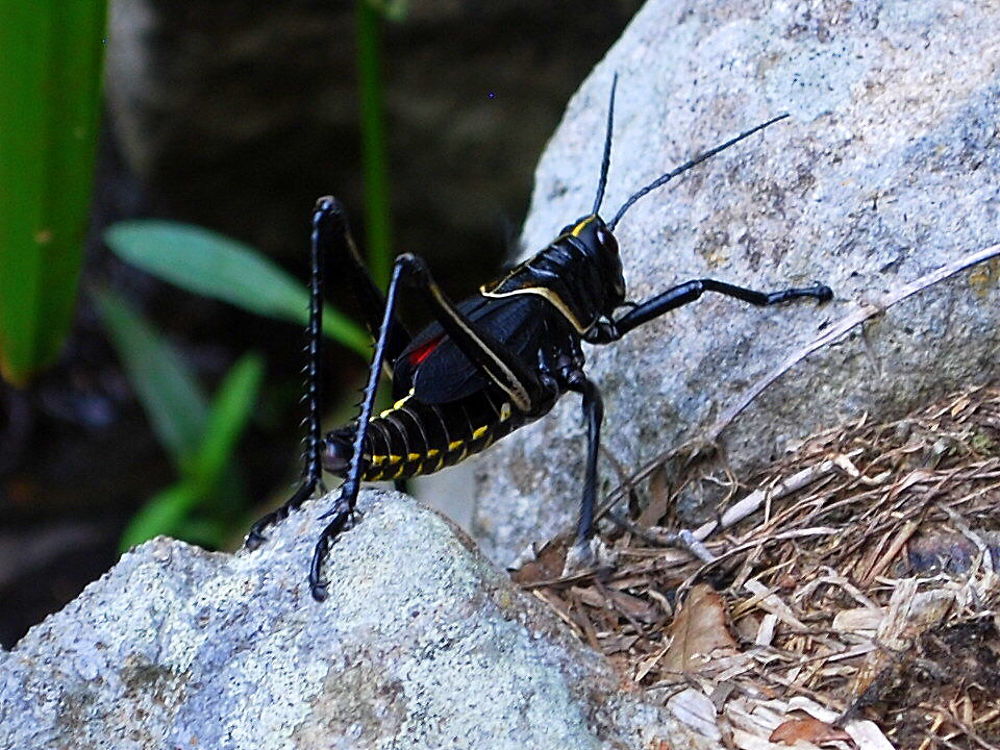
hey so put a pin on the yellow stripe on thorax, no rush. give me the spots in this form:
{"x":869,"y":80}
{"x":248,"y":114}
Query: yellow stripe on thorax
{"x":575,"y":231}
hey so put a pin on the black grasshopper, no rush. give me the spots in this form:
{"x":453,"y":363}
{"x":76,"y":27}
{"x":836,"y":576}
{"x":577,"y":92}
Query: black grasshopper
{"x":489,"y":364}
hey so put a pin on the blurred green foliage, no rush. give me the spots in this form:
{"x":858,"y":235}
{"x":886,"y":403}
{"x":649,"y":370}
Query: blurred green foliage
{"x":50,"y":101}
{"x":49,"y":106}
{"x":200,"y":436}
{"x":219,"y":267}
{"x":374,"y":156}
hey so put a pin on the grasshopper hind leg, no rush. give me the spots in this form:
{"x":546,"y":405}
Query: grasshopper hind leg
{"x":326,"y":223}
{"x":343,"y":510}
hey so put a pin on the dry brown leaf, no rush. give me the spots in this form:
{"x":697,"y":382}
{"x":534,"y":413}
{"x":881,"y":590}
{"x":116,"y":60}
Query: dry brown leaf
{"x":659,"y":499}
{"x":698,"y":631}
{"x":809,"y":730}
{"x":634,"y":607}
{"x":547,"y":565}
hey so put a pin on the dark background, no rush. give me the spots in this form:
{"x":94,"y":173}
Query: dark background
{"x":236,"y":116}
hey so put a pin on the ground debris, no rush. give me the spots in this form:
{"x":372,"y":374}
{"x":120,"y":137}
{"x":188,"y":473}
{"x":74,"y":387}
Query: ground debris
{"x":849,"y":598}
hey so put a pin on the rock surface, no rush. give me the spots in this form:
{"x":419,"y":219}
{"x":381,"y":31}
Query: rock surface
{"x":421,"y":644}
{"x":888,"y":168}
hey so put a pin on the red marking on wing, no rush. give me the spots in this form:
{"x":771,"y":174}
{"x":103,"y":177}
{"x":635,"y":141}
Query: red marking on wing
{"x":422,"y":352}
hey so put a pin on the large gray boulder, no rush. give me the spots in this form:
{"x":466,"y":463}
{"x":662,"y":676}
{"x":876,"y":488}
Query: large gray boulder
{"x":888,"y":167}
{"x":421,"y":644}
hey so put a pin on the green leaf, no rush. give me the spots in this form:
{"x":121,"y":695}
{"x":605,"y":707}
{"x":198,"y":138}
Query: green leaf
{"x":169,"y":393}
{"x":374,"y":153}
{"x":234,"y":403}
{"x":170,"y":511}
{"x":206,"y":532}
{"x":49,"y":107}
{"x":164,"y":513}
{"x":391,"y":10}
{"x":216,"y":266}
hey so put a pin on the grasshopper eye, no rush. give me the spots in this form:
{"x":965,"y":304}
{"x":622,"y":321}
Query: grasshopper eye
{"x":607,"y":239}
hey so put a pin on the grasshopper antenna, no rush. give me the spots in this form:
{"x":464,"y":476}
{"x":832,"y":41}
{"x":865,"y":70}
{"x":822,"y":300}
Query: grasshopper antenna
{"x":664,"y":179}
{"x":606,"y":161}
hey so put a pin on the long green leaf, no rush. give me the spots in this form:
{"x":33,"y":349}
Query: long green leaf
{"x":169,"y":393}
{"x":49,"y":105}
{"x":170,"y":511}
{"x":216,"y":266}
{"x":234,"y":403}
{"x":374,"y":154}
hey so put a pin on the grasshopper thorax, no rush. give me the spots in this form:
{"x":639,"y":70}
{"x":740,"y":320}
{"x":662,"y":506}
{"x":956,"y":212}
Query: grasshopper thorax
{"x":579,"y":273}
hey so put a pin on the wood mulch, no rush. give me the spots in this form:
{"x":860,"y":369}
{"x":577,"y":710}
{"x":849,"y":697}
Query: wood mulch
{"x":846,"y":597}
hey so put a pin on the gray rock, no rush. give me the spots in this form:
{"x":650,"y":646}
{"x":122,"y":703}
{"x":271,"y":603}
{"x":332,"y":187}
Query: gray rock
{"x":888,"y":168}
{"x":421,"y":644}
